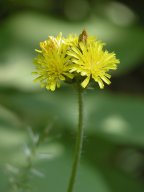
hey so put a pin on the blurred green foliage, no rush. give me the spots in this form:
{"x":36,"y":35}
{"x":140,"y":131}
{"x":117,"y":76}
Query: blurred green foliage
{"x":113,"y":154}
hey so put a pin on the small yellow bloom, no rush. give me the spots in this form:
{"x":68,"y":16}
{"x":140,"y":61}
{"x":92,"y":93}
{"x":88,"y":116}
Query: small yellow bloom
{"x":91,"y":61}
{"x":52,"y":63}
{"x":80,"y":58}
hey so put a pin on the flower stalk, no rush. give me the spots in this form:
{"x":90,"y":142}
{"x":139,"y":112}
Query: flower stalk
{"x":79,"y":141}
{"x":75,"y":59}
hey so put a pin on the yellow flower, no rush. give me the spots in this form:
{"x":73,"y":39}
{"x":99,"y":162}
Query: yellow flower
{"x":52,"y":63}
{"x":91,"y":61}
{"x":80,"y":58}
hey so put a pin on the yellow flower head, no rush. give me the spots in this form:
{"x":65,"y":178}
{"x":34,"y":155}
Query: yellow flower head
{"x":91,"y":61}
{"x":79,"y":58}
{"x":52,"y":63}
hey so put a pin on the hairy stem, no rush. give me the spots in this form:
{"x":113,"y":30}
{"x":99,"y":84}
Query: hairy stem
{"x":79,"y":141}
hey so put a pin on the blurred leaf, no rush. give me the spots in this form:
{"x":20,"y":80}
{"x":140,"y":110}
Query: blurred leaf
{"x":113,"y":117}
{"x":101,"y":154}
{"x":129,"y":47}
{"x":57,"y":175}
{"x":18,"y":53}
{"x":9,"y":118}
{"x":99,"y":174}
{"x":118,"y":118}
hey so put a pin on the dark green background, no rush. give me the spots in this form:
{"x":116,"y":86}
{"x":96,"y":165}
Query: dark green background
{"x":113,"y":155}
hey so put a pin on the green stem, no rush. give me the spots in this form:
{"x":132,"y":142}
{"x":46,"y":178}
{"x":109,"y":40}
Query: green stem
{"x":79,"y":142}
